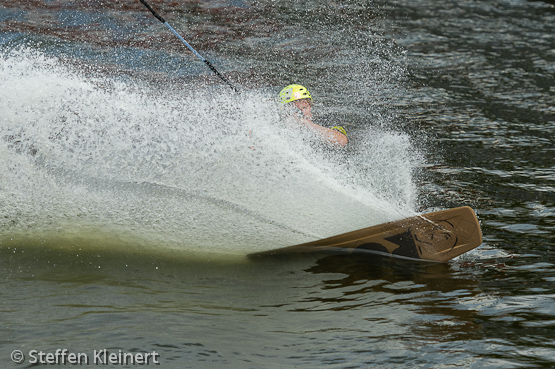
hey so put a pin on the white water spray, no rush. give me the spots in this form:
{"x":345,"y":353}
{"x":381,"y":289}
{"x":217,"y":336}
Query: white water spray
{"x":194,"y":169}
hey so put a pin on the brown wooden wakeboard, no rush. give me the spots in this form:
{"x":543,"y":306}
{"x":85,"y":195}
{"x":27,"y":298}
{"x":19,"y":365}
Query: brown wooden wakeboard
{"x":438,"y":236}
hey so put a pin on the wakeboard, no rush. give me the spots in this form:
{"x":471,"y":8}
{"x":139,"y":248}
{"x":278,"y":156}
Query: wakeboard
{"x":439,"y":236}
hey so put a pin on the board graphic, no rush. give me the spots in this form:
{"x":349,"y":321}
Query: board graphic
{"x":438,"y":236}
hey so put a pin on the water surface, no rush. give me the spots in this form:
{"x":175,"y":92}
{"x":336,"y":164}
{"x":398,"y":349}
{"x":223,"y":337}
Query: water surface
{"x":134,"y":182}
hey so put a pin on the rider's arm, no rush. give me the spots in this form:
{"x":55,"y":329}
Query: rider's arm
{"x":335,"y":136}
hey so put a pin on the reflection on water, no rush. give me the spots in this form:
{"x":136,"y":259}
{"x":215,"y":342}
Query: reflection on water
{"x":301,"y":311}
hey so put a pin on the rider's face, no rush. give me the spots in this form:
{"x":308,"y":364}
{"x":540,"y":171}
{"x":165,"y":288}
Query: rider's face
{"x":305,"y":106}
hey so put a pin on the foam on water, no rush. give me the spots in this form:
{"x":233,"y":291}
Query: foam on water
{"x":193,"y":168}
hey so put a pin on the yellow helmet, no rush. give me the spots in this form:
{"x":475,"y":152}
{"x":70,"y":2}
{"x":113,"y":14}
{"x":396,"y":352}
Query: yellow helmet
{"x":293,"y":93}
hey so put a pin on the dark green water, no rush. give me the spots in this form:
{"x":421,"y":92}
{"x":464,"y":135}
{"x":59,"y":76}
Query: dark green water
{"x":122,"y":166}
